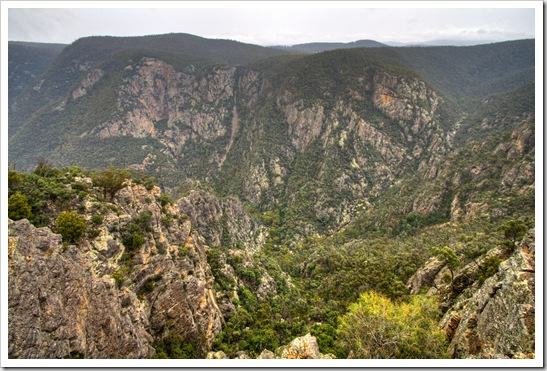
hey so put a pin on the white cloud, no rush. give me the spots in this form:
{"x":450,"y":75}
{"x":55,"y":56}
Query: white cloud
{"x":270,"y":26}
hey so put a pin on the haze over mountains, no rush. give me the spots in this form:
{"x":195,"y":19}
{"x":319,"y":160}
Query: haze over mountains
{"x":289,"y":181}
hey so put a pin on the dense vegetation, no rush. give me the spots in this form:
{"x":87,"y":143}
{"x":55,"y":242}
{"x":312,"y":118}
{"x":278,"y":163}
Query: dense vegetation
{"x":343,"y":239}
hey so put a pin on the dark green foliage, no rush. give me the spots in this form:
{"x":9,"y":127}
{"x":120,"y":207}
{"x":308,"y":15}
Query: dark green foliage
{"x":175,"y":347}
{"x":447,"y":255}
{"x":489,"y":268}
{"x":97,"y":219}
{"x":70,"y":225}
{"x":44,"y":168}
{"x":18,"y":207}
{"x":111,"y":180}
{"x":143,"y":220}
{"x":514,"y":230}
{"x":120,"y":275}
{"x":133,"y":242}
{"x":165,"y":200}
{"x":14,"y":181}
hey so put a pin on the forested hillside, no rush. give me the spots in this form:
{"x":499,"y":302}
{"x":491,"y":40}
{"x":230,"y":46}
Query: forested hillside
{"x":366,"y":196}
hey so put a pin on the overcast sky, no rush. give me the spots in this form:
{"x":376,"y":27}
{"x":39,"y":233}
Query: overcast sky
{"x":282,"y":24}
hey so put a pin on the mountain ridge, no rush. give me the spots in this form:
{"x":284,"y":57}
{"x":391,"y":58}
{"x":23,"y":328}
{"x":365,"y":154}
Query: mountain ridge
{"x":289,"y":187}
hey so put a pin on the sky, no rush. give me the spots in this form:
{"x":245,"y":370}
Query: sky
{"x":273,"y":23}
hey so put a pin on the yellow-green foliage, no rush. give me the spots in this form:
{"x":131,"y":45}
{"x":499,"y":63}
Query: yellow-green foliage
{"x":70,"y":225}
{"x":376,"y":327}
{"x":18,"y":207}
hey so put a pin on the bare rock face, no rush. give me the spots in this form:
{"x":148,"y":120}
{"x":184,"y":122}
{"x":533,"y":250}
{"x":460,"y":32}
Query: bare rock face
{"x":425,"y":276}
{"x":498,"y":320}
{"x":97,"y":299}
{"x":304,"y":347}
{"x":222,"y":222}
{"x":59,"y":309}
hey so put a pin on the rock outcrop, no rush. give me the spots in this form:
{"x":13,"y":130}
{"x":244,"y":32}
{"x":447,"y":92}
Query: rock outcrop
{"x":304,"y":347}
{"x":107,"y":296}
{"x":59,"y":309}
{"x":494,"y":318}
{"x":222,"y":222}
{"x":498,"y":320}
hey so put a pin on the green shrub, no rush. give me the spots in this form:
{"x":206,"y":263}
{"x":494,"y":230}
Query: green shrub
{"x":111,"y":180}
{"x":165,"y":200}
{"x":97,"y":219}
{"x":70,"y":225}
{"x":143,"y":220}
{"x":119,"y":276}
{"x":174,"y":347}
{"x":18,"y":207}
{"x":166,"y":221}
{"x":490,"y":267}
{"x":133,"y":241}
{"x":94,"y":233}
{"x":376,"y":327}
{"x":514,"y":231}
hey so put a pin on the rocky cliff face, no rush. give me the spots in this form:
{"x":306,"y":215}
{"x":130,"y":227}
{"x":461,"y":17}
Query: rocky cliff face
{"x":217,"y":125}
{"x":497,"y":320}
{"x":59,"y":309}
{"x":222,"y":222}
{"x":490,"y":319}
{"x":100,"y":299}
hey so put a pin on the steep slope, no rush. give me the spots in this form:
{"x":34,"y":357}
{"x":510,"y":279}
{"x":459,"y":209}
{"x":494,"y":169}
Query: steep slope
{"x":138,"y":276}
{"x":301,"y":181}
{"x":493,"y":316}
{"x":337,"y":108}
{"x":85,"y":55}
{"x":26,"y":62}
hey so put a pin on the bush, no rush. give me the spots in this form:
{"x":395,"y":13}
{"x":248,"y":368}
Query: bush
{"x":376,"y":327}
{"x":175,"y":347}
{"x":143,"y":220}
{"x":18,"y":207}
{"x":71,"y":226}
{"x":97,"y":219}
{"x":133,"y":242}
{"x":111,"y":180}
{"x":514,"y":231}
{"x":165,"y":200}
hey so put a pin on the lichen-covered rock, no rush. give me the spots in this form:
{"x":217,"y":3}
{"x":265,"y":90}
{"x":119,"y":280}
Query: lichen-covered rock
{"x":59,"y":309}
{"x":266,"y":354}
{"x":222,"y":222}
{"x":100,"y":299}
{"x":425,"y":276}
{"x":498,"y":320}
{"x":304,"y":347}
{"x":216,"y":355}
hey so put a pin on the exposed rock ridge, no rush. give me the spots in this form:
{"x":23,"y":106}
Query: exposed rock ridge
{"x":60,"y":309}
{"x":97,"y":300}
{"x":495,"y":319}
